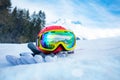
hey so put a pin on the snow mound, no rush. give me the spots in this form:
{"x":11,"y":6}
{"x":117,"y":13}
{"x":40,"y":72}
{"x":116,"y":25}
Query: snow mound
{"x":93,"y":59}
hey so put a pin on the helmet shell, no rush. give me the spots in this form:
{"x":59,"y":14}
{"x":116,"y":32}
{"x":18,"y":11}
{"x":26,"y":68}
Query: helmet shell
{"x":49,"y":28}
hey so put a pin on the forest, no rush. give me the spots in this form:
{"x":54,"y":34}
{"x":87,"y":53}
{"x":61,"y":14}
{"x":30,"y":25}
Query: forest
{"x":17,"y":25}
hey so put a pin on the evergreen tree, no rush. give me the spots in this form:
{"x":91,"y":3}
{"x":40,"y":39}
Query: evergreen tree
{"x":4,"y":11}
{"x":5,"y":4}
{"x":42,"y":17}
{"x":5,"y":20}
{"x":18,"y":26}
{"x":14,"y":13}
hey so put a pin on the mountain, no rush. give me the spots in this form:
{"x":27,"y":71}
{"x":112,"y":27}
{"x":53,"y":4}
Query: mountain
{"x":73,"y":25}
{"x":85,"y":32}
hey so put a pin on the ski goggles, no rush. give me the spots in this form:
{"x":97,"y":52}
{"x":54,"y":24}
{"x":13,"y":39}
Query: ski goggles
{"x":50,"y":40}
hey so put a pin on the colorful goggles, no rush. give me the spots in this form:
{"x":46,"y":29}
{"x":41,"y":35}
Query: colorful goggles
{"x":50,"y":40}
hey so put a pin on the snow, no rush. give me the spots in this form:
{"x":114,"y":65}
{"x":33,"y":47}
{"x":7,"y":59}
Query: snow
{"x":97,"y":59}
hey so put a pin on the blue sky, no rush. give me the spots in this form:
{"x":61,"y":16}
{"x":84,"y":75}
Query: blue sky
{"x":91,"y":13}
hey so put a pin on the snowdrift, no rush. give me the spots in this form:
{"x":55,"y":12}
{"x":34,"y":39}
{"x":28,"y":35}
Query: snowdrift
{"x":93,"y":60}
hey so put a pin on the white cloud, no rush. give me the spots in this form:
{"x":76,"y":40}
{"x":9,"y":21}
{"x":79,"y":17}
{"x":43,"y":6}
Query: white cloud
{"x":91,"y":14}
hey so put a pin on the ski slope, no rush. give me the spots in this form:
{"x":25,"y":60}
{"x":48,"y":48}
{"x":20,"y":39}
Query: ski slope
{"x":97,"y":59}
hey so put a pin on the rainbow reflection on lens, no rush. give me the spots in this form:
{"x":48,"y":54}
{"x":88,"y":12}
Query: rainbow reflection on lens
{"x":52,"y":39}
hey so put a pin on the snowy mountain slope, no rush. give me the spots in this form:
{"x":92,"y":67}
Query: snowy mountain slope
{"x":93,"y":60}
{"x":84,"y":32}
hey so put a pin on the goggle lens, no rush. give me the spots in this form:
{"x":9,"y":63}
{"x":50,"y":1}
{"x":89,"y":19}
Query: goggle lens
{"x":50,"y":39}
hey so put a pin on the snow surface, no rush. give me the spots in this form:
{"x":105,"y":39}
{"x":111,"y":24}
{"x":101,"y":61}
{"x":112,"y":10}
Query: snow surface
{"x":93,"y":60}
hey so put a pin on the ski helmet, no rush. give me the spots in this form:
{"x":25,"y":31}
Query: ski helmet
{"x":47,"y":29}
